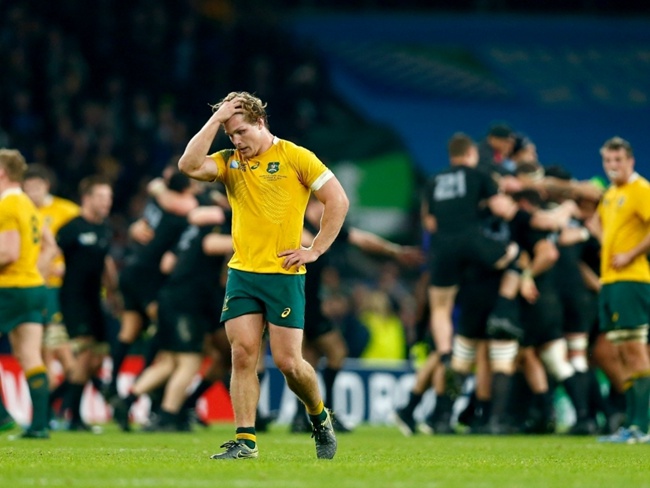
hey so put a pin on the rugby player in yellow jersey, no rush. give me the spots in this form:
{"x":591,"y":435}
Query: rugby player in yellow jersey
{"x":23,"y":241}
{"x":622,"y":223}
{"x":56,"y":212}
{"x":268,"y":182}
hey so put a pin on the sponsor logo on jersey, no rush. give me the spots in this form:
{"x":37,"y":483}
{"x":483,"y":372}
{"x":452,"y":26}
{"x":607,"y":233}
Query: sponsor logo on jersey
{"x":285,"y":313}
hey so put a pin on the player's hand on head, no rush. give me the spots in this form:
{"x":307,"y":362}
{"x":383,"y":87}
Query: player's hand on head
{"x":298,"y":257}
{"x":227,"y":109}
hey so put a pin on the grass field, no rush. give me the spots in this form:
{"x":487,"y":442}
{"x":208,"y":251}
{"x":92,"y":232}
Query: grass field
{"x":370,"y":457}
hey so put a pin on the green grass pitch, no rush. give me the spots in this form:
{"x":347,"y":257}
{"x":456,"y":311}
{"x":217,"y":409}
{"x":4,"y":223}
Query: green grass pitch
{"x":374,"y":457}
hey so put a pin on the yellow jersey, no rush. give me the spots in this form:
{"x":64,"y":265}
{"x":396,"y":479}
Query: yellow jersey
{"x":56,"y":212}
{"x":625,"y":217}
{"x":268,"y":196}
{"x":17,"y":212}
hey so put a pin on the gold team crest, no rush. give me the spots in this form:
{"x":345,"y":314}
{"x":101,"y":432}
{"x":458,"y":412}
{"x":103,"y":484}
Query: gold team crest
{"x":273,"y":167}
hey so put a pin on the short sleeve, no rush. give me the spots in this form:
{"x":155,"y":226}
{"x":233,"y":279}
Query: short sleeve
{"x":311,"y":170}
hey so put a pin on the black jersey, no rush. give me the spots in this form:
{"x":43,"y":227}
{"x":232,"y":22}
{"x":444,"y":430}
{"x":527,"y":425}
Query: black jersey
{"x":167,"y":228}
{"x":85,"y":246}
{"x":194,"y":268}
{"x":454,"y":196}
{"x":569,"y":278}
{"x":315,"y":269}
{"x":527,"y":237}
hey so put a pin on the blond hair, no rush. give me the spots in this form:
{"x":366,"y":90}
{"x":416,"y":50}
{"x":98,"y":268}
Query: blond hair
{"x":252,"y":107}
{"x":14,"y":164}
{"x":616,"y":143}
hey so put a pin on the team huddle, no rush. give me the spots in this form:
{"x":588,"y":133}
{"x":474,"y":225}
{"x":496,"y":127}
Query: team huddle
{"x":543,"y":270}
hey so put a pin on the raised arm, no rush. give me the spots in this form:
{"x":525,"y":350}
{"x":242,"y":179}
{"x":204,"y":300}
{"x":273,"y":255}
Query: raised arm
{"x":195,"y":162}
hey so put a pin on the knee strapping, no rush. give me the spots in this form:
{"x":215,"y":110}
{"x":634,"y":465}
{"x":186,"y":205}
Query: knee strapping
{"x":504,"y":351}
{"x":578,"y":353}
{"x":464,"y":353}
{"x":555,"y":360}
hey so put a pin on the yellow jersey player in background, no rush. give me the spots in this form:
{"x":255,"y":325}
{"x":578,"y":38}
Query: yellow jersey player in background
{"x":24,"y":243}
{"x":268,"y":181}
{"x":622,"y":224}
{"x":55,"y":212}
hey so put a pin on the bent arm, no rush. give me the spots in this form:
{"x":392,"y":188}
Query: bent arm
{"x":9,"y":247}
{"x":336,"y":204}
{"x":49,"y":250}
{"x":195,"y":161}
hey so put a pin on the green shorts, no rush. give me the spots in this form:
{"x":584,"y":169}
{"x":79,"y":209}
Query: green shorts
{"x":21,"y":306}
{"x":279,"y":298}
{"x":624,"y":305}
{"x":53,"y":314}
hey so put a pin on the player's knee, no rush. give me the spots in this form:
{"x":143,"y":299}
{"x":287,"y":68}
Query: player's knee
{"x":502,"y":356}
{"x":578,"y":353}
{"x":287,"y":364}
{"x":464,"y":354}
{"x":556,"y":362}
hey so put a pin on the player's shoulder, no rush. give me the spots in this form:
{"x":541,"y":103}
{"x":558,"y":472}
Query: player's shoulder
{"x":642,"y":183}
{"x":65,"y":205}
{"x":290,"y":148}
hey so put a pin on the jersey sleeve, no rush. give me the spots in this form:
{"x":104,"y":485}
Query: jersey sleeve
{"x":221,"y":158}
{"x":311,"y":170}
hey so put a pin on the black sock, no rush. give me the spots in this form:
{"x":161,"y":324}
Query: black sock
{"x":201,"y":388}
{"x":414,"y":401}
{"x":597,"y":402}
{"x":118,"y":354}
{"x":500,"y":391}
{"x":74,"y":393}
{"x":59,"y":391}
{"x":576,"y":387}
{"x":329,"y":376}
{"x":445,"y":359}
{"x":442,"y":409}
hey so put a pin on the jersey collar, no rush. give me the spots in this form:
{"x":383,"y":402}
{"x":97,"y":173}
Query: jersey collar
{"x":10,"y":191}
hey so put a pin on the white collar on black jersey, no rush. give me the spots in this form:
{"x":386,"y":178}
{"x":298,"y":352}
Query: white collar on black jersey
{"x":11,"y":191}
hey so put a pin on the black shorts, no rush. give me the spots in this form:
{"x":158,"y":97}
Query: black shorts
{"x":316,"y":324}
{"x":579,"y":310}
{"x":452,"y":253}
{"x":84,"y":318}
{"x":181,"y":331}
{"x":477,"y":300}
{"x":139,"y":287}
{"x":541,"y":321}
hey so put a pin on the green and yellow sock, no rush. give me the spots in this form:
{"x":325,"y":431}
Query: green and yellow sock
{"x":317,"y":414}
{"x":246,"y":434}
{"x":39,"y":390}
